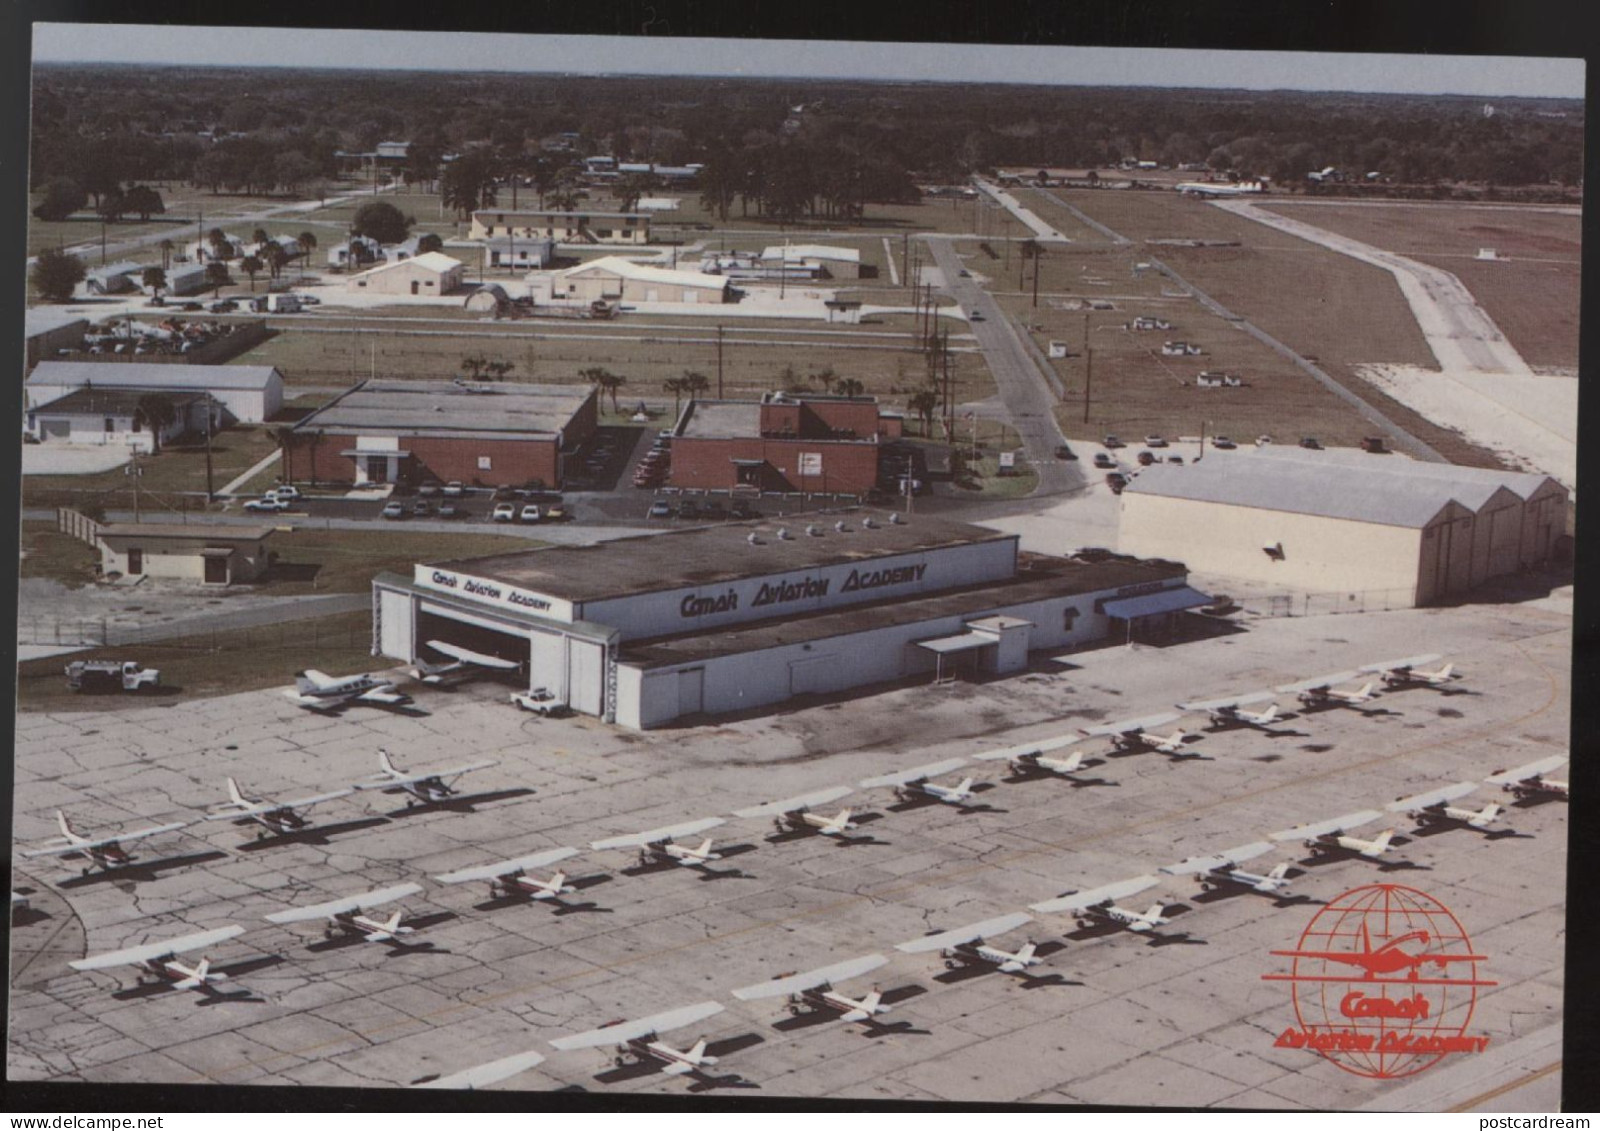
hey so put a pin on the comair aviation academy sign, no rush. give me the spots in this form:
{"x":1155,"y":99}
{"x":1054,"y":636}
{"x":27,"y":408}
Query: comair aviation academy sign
{"x":782,"y":591}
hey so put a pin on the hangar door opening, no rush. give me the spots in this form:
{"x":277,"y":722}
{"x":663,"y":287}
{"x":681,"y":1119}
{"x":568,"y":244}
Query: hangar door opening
{"x":477,"y":635}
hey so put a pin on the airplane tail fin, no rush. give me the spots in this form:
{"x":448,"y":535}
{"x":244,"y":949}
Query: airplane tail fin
{"x":66,"y":828}
{"x":870,"y":1004}
{"x":557,"y":884}
{"x":697,"y":1055}
{"x":1073,"y":763}
{"x":1380,"y":843}
{"x":1269,"y":714}
{"x":233,"y":792}
{"x":840,"y":823}
{"x":1487,"y":814}
{"x":966,"y":785}
{"x":705,"y":848}
{"x":315,"y":678}
{"x":202,"y":974}
{"x":1279,"y":872}
{"x":1026,"y":953}
{"x":1153,"y":914}
{"x":1366,"y":689}
{"x":388,"y":766}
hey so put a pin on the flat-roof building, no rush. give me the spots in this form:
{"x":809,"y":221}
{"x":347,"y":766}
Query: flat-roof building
{"x":115,"y":417}
{"x":570,"y":227}
{"x":615,"y":279}
{"x":738,"y":616}
{"x":833,"y":262}
{"x":488,"y":434}
{"x":208,"y":554}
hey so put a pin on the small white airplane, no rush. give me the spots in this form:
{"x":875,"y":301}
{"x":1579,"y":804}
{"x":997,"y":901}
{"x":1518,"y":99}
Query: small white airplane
{"x":1035,"y":757}
{"x":1099,"y":905}
{"x":964,"y":945}
{"x":1139,"y":734}
{"x":1231,"y":712}
{"x":485,"y":1074}
{"x":1208,"y":188}
{"x":428,"y":787}
{"x":1434,"y":808}
{"x":794,"y":814}
{"x":656,"y":845}
{"x":814,"y":990}
{"x":638,"y":1038}
{"x":274,"y":817}
{"x":510,"y":877}
{"x":158,"y":961}
{"x":1531,"y":780}
{"x":1409,"y":672}
{"x":318,"y":691}
{"x":1319,"y":691}
{"x":1332,"y":834}
{"x":105,"y":852}
{"x":912,"y":784}
{"x":346,"y":915}
{"x":463,"y":664}
{"x":1223,"y":868}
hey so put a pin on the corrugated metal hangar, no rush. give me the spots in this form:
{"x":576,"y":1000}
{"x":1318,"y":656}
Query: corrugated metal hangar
{"x":733,"y":617}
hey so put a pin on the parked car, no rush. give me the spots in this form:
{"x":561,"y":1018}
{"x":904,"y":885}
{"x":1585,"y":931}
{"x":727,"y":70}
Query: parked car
{"x":1064,"y":452}
{"x":555,"y":512}
{"x":1263,"y":441}
{"x":540,"y":702}
{"x":1103,"y":460}
{"x":428,"y":490}
{"x":1113,"y":442}
{"x":285,"y":491}
{"x":1174,"y":459}
{"x":193,"y":306}
{"x":1224,"y":443}
{"x":1310,"y":442}
{"x":742,"y":509}
{"x":714,"y":509}
{"x":977,"y":316}
{"x":450,"y":510}
{"x":688,"y":508}
{"x":1146,"y":458}
{"x":531,"y":513}
{"x":660,"y":509}
{"x":1155,"y":441}
{"x":310,"y":300}
{"x":395,"y":509}
{"x":225,"y":306}
{"x":964,"y":273}
{"x":267,"y":506}
{"x":454,"y":489}
{"x":1116,"y":481}
{"x":504,"y":512}
{"x":420,"y":508}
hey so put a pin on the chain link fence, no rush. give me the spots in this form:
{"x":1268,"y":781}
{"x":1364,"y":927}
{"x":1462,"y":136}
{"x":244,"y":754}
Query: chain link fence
{"x":1324,"y":604}
{"x":92,"y":632}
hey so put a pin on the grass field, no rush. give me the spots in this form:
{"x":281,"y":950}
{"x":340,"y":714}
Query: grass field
{"x":1532,"y":292}
{"x":180,"y":468}
{"x":46,"y":552}
{"x":211,"y":664}
{"x":345,"y":561}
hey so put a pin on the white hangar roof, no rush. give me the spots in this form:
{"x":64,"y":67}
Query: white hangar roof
{"x":106,"y":374}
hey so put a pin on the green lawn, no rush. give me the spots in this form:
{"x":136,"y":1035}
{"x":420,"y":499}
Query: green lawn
{"x":175,"y":469}
{"x":344,"y":561}
{"x":46,"y":552}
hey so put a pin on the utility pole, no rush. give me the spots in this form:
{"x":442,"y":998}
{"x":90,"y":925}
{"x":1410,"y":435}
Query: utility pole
{"x":1037,"y":255}
{"x":210,"y":491}
{"x":905,"y":256}
{"x":719,"y":362}
{"x":102,"y":241}
{"x":1088,"y":378}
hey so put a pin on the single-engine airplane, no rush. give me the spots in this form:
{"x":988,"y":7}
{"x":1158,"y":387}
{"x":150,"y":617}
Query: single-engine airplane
{"x":814,"y":990}
{"x":656,"y":845}
{"x":638,"y":1039}
{"x":964,"y":946}
{"x":913,"y":784}
{"x":106,"y":852}
{"x":1139,"y":734}
{"x":510,"y":877}
{"x":1434,"y":808}
{"x":794,"y":814}
{"x":1037,"y":758}
{"x":275,"y":817}
{"x":1231,"y":712}
{"x":158,"y":961}
{"x":1319,"y":691}
{"x":318,"y":691}
{"x":1410,"y":673}
{"x":1532,"y":780}
{"x":1223,"y":868}
{"x":464,"y":664}
{"x":1099,"y":905}
{"x":347,"y":915}
{"x":428,"y":787}
{"x":1332,"y":835}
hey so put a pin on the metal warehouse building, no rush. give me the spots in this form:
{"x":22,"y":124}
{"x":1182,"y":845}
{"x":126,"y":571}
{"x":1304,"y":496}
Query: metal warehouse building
{"x":1344,"y":521}
{"x":645,"y":630}
{"x":251,"y":394}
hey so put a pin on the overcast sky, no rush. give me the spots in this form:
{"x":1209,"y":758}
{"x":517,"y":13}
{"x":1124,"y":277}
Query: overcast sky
{"x":1112,"y":66}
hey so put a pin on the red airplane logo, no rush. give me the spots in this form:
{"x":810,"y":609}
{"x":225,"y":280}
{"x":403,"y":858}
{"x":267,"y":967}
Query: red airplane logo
{"x":1388,"y":958}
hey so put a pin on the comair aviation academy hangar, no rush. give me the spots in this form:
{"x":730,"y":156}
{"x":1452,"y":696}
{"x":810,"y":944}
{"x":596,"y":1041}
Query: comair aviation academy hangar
{"x":732,"y":617}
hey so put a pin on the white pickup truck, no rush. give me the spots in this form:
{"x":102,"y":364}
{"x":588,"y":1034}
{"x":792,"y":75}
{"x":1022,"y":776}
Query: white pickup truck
{"x":540,"y":702}
{"x":110,"y":675}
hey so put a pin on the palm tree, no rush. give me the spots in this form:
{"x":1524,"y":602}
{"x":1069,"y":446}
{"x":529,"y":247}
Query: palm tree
{"x":157,"y":412}
{"x":316,"y":442}
{"x":251,"y":266}
{"x":276,"y":259}
{"x":676,"y":387}
{"x":474,"y":365}
{"x":217,"y":277}
{"x":259,"y":237}
{"x":607,"y":380}
{"x":283,"y":436}
{"x":308,"y":243}
{"x":826,"y":378}
{"x":695,"y":383}
{"x":166,"y":254}
{"x":220,"y":247}
{"x":849,"y":387}
{"x":498,"y":369}
{"x":155,"y":278}
{"x":924,"y":404}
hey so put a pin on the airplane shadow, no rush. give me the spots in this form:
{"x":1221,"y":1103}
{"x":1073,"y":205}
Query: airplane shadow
{"x":316,"y":834}
{"x":1534,"y":801}
{"x":1462,"y":826}
{"x":1073,"y":780}
{"x":139,"y":873}
{"x":28,"y":916}
{"x":1181,"y":938}
{"x":461,"y":803}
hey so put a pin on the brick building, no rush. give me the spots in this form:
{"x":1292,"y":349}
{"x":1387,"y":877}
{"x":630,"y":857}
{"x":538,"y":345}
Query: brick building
{"x":408,"y":431}
{"x":782,"y":442}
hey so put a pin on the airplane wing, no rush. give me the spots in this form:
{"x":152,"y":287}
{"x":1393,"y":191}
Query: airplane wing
{"x":792,"y":804}
{"x":644,"y":1027}
{"x":1078,"y":901}
{"x":490,"y":1073}
{"x":340,"y":906}
{"x":1196,"y":864}
{"x":1432,"y":797}
{"x":1531,"y":770}
{"x":1319,"y":681}
{"x":120,"y":838}
{"x":916,"y":773}
{"x":136,"y":954}
{"x":1042,"y":746}
{"x":505,"y":868}
{"x":1219,"y":704}
{"x":1392,"y":665}
{"x":319,"y":680}
{"x":794,"y":983}
{"x":466,"y":656}
{"x":1128,"y":726}
{"x":383,"y":695}
{"x":655,"y":836}
{"x":1333,"y":825}
{"x":989,"y":928}
{"x":388,"y":782}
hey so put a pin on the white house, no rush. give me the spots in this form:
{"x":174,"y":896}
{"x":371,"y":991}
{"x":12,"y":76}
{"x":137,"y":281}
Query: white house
{"x":432,"y":273}
{"x":92,"y":415}
{"x":531,"y":254}
{"x":357,"y":251}
{"x":614,"y":279}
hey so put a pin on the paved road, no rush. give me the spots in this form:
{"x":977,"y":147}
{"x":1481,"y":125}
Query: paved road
{"x":1022,"y":385}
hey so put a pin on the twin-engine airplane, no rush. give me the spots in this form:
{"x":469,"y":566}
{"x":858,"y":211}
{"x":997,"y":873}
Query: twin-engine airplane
{"x":1319,"y":691}
{"x":1532,"y":780}
{"x":1223,"y":868}
{"x":510,"y":878}
{"x":814,"y":991}
{"x":105,"y":852}
{"x":964,"y":946}
{"x":275,"y":817}
{"x":913,"y":784}
{"x":1332,"y":835}
{"x":794,"y":814}
{"x":159,"y":960}
{"x":656,"y":845}
{"x":347,"y":915}
{"x":1139,"y":734}
{"x":318,"y":691}
{"x":1099,"y":905}
{"x":1434,"y":808}
{"x":1410,"y":673}
{"x":428,"y":787}
{"x":638,"y":1039}
{"x":485,"y":1074}
{"x":464,"y":663}
{"x":1231,"y":712}
{"x":1037,"y":757}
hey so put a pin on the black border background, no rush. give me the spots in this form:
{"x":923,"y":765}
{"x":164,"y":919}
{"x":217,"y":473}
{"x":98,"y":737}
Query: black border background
{"x":1467,"y":27}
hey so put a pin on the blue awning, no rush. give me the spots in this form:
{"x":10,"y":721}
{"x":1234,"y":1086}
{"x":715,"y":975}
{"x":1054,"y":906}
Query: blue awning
{"x":1152,"y":604}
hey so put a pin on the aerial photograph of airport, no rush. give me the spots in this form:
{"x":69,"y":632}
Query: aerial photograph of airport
{"x":795,"y":569}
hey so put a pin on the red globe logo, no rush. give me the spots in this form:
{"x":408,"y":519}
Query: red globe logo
{"x":1384,"y":983}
